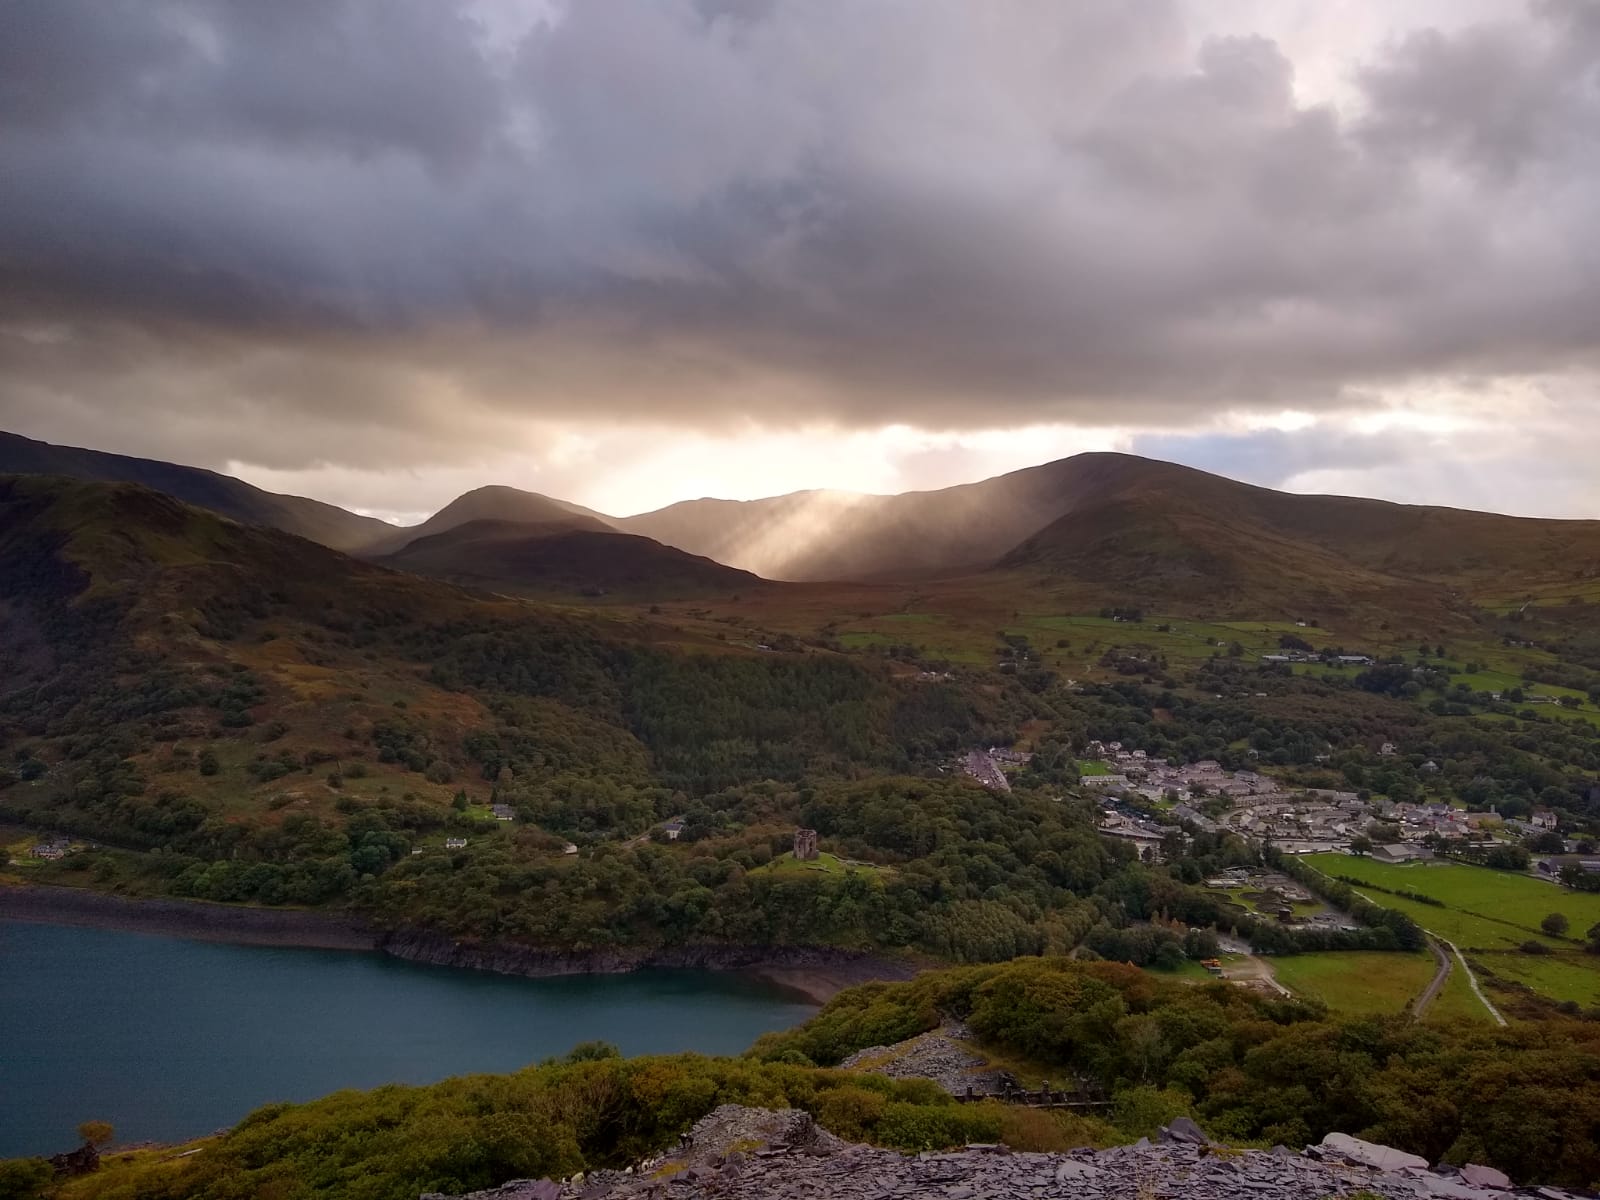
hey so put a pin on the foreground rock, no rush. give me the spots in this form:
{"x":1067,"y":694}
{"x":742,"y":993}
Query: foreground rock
{"x":755,"y":1154}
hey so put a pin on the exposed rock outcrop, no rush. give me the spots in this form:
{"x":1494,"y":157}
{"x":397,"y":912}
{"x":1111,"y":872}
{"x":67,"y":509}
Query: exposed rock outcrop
{"x":187,"y":918}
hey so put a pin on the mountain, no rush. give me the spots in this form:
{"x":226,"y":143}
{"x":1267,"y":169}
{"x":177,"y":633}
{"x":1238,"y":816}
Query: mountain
{"x":1118,"y":518}
{"x":842,"y":535}
{"x":825,"y":535}
{"x":493,"y":503}
{"x":281,"y":721}
{"x":1165,"y":529}
{"x":325,"y":523}
{"x":566,"y":556}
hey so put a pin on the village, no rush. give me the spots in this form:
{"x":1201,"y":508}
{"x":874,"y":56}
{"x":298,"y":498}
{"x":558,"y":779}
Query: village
{"x":1149,"y":801}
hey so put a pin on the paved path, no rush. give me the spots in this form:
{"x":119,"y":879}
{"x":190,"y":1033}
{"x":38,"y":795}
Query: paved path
{"x":1436,"y":984}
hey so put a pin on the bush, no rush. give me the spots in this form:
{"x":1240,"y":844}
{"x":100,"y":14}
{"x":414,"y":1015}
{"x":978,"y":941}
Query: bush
{"x":24,"y":1178}
{"x":1556,"y":924}
{"x":1142,"y":1111}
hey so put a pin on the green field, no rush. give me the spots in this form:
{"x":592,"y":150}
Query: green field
{"x":1359,"y":982}
{"x":1484,"y":909}
{"x":1490,"y":913}
{"x":1573,"y":975}
{"x":1457,"y":999}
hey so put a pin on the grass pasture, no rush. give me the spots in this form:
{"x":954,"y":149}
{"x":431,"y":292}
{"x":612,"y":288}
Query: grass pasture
{"x":1483,"y":909}
{"x":1357,"y":982}
{"x":1456,"y":1000}
{"x":1490,"y":914}
{"x":1570,"y":975}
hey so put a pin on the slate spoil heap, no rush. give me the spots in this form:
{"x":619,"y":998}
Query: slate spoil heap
{"x":755,"y":1154}
{"x":941,"y":1055}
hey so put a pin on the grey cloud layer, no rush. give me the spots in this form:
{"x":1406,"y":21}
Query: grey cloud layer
{"x":375,"y":223}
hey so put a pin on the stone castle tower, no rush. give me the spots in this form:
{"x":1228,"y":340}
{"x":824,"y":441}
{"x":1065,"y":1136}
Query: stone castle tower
{"x":805,"y":845}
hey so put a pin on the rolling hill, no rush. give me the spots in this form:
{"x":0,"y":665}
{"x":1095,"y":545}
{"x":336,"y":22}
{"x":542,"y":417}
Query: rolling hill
{"x":324,"y":523}
{"x":1170,"y":530}
{"x":566,"y":556}
{"x":493,"y":503}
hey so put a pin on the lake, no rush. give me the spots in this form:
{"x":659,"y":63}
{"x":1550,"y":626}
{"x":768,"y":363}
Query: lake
{"x":168,"y":1039}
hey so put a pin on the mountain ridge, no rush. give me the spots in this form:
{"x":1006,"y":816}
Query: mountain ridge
{"x":1100,"y":518}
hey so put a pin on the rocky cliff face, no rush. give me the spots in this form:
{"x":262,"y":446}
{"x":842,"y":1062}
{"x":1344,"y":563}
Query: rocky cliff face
{"x":794,"y":1160}
{"x":797,"y":966}
{"x":187,"y":918}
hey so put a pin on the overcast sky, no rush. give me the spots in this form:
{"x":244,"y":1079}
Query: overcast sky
{"x":631,"y":251}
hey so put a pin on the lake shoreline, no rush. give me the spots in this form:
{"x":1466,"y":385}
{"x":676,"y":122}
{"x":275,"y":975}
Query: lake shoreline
{"x":816,"y":972}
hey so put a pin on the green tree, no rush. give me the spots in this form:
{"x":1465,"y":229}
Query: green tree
{"x":1555,"y":924}
{"x":1361,"y":844}
{"x":96,"y":1133}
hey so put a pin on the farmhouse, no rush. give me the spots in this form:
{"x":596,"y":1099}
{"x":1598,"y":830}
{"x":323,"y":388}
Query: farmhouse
{"x":503,"y":812}
{"x":672,"y":829}
{"x":455,"y":843}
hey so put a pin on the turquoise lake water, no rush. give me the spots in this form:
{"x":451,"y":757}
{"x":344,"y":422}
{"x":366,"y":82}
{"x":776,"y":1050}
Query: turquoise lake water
{"x":168,"y":1039}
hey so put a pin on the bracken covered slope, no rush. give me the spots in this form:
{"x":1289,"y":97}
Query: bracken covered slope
{"x":325,"y":523}
{"x":556,"y":557}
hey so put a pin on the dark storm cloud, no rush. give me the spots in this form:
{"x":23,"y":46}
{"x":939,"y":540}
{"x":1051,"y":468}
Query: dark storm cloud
{"x":376,"y":233}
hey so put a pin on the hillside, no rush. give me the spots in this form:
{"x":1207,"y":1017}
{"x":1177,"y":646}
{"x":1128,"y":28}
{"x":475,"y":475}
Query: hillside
{"x":842,"y":535}
{"x":1163,"y":531}
{"x":242,"y":715}
{"x":555,"y":557}
{"x":1123,"y":520}
{"x":324,"y":523}
{"x":493,"y":503}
